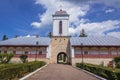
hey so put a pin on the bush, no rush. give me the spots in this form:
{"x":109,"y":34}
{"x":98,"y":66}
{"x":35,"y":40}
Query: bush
{"x":118,"y":65}
{"x":5,"y":57}
{"x":6,"y":65}
{"x":105,"y":72}
{"x":19,"y":70}
{"x":117,"y":59}
{"x":23,"y":58}
{"x":117,"y":62}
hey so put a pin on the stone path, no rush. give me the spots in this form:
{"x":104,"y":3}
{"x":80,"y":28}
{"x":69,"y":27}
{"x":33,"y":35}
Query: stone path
{"x":60,"y":72}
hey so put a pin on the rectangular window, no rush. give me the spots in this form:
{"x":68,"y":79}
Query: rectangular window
{"x":33,"y":52}
{"x":78,"y":51}
{"x":60,"y":27}
{"x":40,"y":52}
{"x":86,"y":52}
{"x":103,"y":52}
{"x":26,"y":52}
{"x":19,"y":52}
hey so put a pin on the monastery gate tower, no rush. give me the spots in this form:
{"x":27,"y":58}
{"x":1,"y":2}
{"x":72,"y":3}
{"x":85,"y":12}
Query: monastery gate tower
{"x":60,"y":41}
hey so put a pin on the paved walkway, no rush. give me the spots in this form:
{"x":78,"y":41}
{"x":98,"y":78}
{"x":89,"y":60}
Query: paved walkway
{"x":60,"y":72}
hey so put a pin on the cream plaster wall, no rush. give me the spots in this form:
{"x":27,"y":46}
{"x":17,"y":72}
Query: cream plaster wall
{"x":65,"y":25}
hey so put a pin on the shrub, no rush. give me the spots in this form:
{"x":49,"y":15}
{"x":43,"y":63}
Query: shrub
{"x":118,"y":65}
{"x":117,"y":62}
{"x":19,"y":70}
{"x":105,"y":72}
{"x":116,"y":59}
{"x":23,"y":58}
{"x":5,"y":57}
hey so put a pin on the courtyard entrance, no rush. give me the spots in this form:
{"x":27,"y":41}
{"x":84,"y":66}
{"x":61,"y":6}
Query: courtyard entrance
{"x":62,"y":58}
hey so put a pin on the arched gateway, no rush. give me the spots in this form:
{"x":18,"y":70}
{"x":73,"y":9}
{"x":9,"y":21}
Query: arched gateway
{"x":62,"y":58}
{"x":60,"y":49}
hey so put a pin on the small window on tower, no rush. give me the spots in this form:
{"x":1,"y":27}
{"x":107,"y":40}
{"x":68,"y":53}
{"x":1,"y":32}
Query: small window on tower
{"x":60,"y":27}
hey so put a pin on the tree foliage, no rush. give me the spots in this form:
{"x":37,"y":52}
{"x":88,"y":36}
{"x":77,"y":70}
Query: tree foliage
{"x":117,"y":62}
{"x":5,"y":57}
{"x":82,"y":33}
{"x":49,"y":34}
{"x":4,"y":37}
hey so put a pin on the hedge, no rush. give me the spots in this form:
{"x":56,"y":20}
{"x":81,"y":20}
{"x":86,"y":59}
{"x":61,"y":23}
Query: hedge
{"x":108,"y":73}
{"x":19,"y":70}
{"x":117,"y":61}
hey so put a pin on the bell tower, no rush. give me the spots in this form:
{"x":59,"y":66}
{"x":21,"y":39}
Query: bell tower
{"x":60,"y":41}
{"x":60,"y":23}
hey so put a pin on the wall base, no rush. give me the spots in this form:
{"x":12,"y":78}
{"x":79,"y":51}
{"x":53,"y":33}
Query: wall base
{"x":96,"y":61}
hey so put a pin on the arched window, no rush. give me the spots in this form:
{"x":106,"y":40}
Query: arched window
{"x":60,"y":27}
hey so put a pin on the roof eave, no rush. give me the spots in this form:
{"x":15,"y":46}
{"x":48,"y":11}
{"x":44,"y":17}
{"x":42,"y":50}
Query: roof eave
{"x":96,"y":46}
{"x":24,"y":45}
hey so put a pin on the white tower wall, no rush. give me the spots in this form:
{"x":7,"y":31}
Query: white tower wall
{"x":65,"y":25}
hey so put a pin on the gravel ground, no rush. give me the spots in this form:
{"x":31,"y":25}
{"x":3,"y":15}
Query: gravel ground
{"x":61,"y":72}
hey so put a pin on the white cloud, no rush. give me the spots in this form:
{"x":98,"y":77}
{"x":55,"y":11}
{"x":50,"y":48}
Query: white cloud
{"x":109,"y":10}
{"x":36,"y":24}
{"x":96,"y":28}
{"x":72,"y":31}
{"x":28,"y":35}
{"x":51,"y":6}
{"x":114,"y":34}
{"x":112,"y":3}
{"x":77,"y":11}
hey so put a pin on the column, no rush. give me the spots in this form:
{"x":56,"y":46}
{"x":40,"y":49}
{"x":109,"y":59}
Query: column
{"x":48,"y":52}
{"x":73,"y":52}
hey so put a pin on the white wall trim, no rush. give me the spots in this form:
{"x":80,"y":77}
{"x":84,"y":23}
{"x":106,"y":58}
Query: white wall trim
{"x":73,"y":52}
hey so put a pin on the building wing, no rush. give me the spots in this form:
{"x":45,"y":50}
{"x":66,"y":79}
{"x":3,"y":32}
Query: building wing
{"x":29,"y":41}
{"x":95,"y":41}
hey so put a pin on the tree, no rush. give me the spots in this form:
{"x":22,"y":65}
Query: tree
{"x":50,"y":34}
{"x":5,"y":58}
{"x":4,"y":37}
{"x":82,"y":33}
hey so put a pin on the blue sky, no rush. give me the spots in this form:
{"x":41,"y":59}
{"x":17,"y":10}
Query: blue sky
{"x":31,"y":17}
